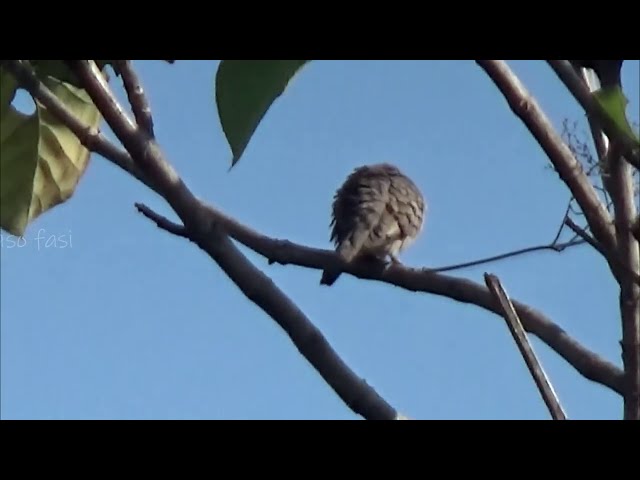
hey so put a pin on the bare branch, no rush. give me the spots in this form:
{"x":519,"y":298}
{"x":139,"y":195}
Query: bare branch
{"x":261,"y":290}
{"x":163,"y":222}
{"x":584,"y":235}
{"x":137,"y":97}
{"x":565,"y":216}
{"x":628,"y":252}
{"x":620,"y":267}
{"x":580,"y":91}
{"x":569,"y":169}
{"x":517,"y":332}
{"x":208,"y":233}
{"x":556,"y":247}
{"x":600,"y":140}
{"x":284,"y":252}
{"x":144,"y":150}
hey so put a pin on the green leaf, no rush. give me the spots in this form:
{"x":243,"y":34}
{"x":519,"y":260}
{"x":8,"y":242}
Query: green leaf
{"x":41,"y":160}
{"x":245,"y":90}
{"x":614,"y":102}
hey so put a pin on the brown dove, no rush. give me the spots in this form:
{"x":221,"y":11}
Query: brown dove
{"x":377,"y":212}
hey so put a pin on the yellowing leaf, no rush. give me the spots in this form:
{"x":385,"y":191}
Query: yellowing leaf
{"x":41,"y":160}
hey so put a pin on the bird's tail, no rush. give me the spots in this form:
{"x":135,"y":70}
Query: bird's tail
{"x":329,"y":277}
{"x":346,"y":251}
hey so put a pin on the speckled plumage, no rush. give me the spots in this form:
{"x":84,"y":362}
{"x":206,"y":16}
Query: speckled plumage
{"x":378,"y":211}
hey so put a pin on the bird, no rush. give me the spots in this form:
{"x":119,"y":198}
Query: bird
{"x":376,"y":213}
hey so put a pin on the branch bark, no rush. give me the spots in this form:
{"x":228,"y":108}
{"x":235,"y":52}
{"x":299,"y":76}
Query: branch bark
{"x":629,"y":251}
{"x":137,"y":97}
{"x":285,"y":252}
{"x":207,"y":233}
{"x":622,"y":268}
{"x":517,"y":332}
{"x":569,"y":169}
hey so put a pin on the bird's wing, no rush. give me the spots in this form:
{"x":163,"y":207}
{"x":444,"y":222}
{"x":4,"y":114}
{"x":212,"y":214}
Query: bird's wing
{"x":359,"y":210}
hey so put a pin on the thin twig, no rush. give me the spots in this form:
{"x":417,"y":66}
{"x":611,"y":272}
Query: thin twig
{"x":556,"y":247}
{"x":600,"y":140}
{"x":584,"y":235}
{"x":162,"y":222}
{"x":566,"y":214}
{"x":565,"y":163}
{"x":581,"y":93}
{"x":137,"y":97}
{"x":619,"y":264}
{"x":515,"y":327}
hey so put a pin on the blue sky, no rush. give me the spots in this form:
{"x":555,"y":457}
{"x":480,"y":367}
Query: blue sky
{"x":130,"y":322}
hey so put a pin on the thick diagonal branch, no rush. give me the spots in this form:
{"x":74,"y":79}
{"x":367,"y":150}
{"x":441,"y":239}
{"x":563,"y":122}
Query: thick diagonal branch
{"x":569,"y":169}
{"x":622,"y":195}
{"x":208,"y":233}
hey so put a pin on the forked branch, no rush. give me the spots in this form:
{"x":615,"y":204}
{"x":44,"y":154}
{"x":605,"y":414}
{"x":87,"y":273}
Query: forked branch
{"x":208,"y":233}
{"x":569,"y":169}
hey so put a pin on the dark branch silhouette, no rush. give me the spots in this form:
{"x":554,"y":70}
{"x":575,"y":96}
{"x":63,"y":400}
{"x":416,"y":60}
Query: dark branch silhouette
{"x":569,"y":169}
{"x":517,"y":332}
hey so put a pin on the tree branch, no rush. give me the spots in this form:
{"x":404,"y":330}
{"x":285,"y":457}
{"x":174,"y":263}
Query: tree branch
{"x":569,"y":169}
{"x":629,"y":253}
{"x":208,"y":233}
{"x":600,"y":140}
{"x":284,"y":252}
{"x":621,"y":267}
{"x":261,"y":290}
{"x":556,"y":247}
{"x":581,"y":93}
{"x":517,"y":332}
{"x":90,"y":138}
{"x":137,"y":97}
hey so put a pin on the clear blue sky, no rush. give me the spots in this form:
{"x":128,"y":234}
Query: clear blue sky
{"x":131,"y":322}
